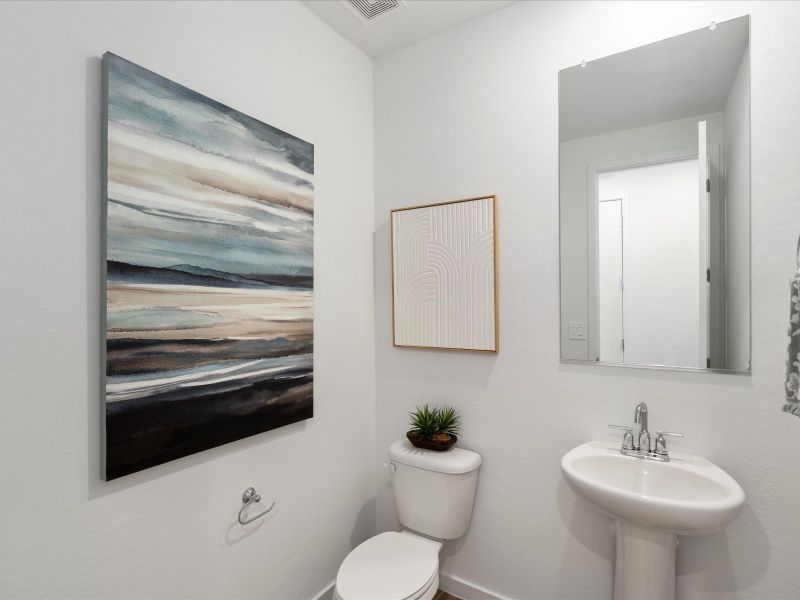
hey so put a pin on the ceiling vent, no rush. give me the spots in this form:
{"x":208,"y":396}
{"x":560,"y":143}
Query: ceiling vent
{"x":370,"y":10}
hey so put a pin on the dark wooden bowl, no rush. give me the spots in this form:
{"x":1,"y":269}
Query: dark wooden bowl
{"x":429,"y":444}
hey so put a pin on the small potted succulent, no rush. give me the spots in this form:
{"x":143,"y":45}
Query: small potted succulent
{"x":434,"y":428}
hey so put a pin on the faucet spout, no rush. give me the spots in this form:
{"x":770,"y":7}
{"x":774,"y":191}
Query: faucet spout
{"x":637,"y":441}
{"x":643,"y":435}
{"x":640,"y":416}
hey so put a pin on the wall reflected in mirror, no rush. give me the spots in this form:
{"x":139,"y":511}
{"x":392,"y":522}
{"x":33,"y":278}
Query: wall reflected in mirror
{"x":655,"y":204}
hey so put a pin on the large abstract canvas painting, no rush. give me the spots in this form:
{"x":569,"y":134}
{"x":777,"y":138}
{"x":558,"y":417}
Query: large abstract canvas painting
{"x":444,"y":275}
{"x":209,"y":261}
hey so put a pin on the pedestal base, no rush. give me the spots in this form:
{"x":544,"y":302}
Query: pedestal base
{"x":645,"y":564}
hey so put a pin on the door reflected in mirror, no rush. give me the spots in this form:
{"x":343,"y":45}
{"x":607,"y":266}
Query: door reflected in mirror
{"x":655,"y":204}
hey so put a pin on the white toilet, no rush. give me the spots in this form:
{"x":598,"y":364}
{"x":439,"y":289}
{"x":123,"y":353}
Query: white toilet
{"x":434,"y":493}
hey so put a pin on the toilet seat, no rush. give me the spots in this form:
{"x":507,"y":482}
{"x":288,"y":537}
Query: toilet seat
{"x":389,"y":566}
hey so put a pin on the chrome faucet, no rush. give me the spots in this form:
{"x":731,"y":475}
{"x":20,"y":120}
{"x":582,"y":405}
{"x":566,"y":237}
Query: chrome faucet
{"x":639,"y":445}
{"x":642,"y":438}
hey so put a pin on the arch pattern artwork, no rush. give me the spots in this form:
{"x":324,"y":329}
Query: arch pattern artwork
{"x":444,"y":275}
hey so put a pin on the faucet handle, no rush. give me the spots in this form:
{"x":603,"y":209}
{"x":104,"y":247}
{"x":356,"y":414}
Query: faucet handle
{"x":668,"y":433}
{"x":627,"y":440}
{"x":661,"y":443}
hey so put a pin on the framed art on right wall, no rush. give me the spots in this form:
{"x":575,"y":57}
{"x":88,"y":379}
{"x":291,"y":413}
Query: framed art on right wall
{"x":444,"y":275}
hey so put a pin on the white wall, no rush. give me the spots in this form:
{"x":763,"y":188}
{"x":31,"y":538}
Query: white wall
{"x":474,"y":111}
{"x":737,"y":208}
{"x":171,"y":531}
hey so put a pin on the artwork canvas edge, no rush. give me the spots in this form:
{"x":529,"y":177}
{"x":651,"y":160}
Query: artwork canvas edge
{"x":104,"y":262}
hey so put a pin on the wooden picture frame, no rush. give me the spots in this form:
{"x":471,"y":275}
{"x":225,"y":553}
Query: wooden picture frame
{"x":445,"y":292}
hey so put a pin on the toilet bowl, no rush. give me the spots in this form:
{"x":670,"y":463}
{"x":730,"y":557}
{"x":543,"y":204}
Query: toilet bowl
{"x":434,"y":494}
{"x":390,"y":566}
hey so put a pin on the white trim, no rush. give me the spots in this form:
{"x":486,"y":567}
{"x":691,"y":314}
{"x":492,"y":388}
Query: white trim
{"x":594,"y":274}
{"x":704,"y":205}
{"x":325,"y":593}
{"x":718,"y":258}
{"x":457,"y":586}
{"x":452,"y":584}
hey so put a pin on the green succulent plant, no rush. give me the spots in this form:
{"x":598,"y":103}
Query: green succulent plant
{"x":449,"y":420}
{"x":428,"y":422}
{"x":424,"y":421}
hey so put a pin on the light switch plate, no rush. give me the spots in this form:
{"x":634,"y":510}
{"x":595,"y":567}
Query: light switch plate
{"x":577,"y":330}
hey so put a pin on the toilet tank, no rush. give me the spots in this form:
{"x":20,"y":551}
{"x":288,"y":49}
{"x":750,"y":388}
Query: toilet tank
{"x":434,"y":491}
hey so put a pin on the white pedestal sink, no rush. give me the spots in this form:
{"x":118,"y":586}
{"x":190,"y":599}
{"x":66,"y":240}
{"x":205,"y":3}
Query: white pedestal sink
{"x":651,"y":503}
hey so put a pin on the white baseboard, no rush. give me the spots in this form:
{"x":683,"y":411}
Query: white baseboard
{"x":461,"y":588}
{"x":325,"y":593}
{"x":452,"y":584}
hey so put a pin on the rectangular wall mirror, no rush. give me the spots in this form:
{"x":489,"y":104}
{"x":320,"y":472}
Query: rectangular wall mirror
{"x":654,"y":147}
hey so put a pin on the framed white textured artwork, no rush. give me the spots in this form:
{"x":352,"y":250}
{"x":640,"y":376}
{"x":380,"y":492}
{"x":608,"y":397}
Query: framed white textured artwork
{"x":444,"y":275}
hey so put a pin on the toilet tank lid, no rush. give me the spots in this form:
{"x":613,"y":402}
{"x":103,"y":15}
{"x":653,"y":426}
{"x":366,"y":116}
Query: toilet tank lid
{"x":452,"y":462}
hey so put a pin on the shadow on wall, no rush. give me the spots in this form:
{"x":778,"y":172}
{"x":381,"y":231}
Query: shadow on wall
{"x":709,"y":553}
{"x":236,"y":532}
{"x":452,"y":548}
{"x":365,"y":523}
{"x":95,"y":486}
{"x":468,"y":368}
{"x":95,"y":336}
{"x":646,"y":375}
{"x":385,"y":499}
{"x":589,"y":529}
{"x":712,"y":553}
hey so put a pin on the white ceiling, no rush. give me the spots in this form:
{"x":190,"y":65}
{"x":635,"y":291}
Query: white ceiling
{"x":679,"y":77}
{"x":403,"y":26}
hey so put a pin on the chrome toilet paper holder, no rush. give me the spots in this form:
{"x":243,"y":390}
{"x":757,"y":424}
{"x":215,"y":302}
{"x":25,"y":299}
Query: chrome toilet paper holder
{"x":250,"y":496}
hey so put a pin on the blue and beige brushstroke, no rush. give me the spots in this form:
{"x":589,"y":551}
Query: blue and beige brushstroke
{"x":210,"y":232}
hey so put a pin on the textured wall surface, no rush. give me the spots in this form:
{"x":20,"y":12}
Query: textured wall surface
{"x":171,"y":531}
{"x":444,"y":279}
{"x":474,"y":111}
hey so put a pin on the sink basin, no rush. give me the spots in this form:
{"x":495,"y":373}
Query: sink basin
{"x":651,"y":503}
{"x":688,"y":495}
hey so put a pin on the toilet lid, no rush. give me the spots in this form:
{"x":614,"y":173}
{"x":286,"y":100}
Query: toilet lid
{"x":390,"y":565}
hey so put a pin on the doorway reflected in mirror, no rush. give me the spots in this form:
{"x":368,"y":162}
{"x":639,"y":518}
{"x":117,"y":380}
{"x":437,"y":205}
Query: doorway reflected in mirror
{"x":655,"y":204}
